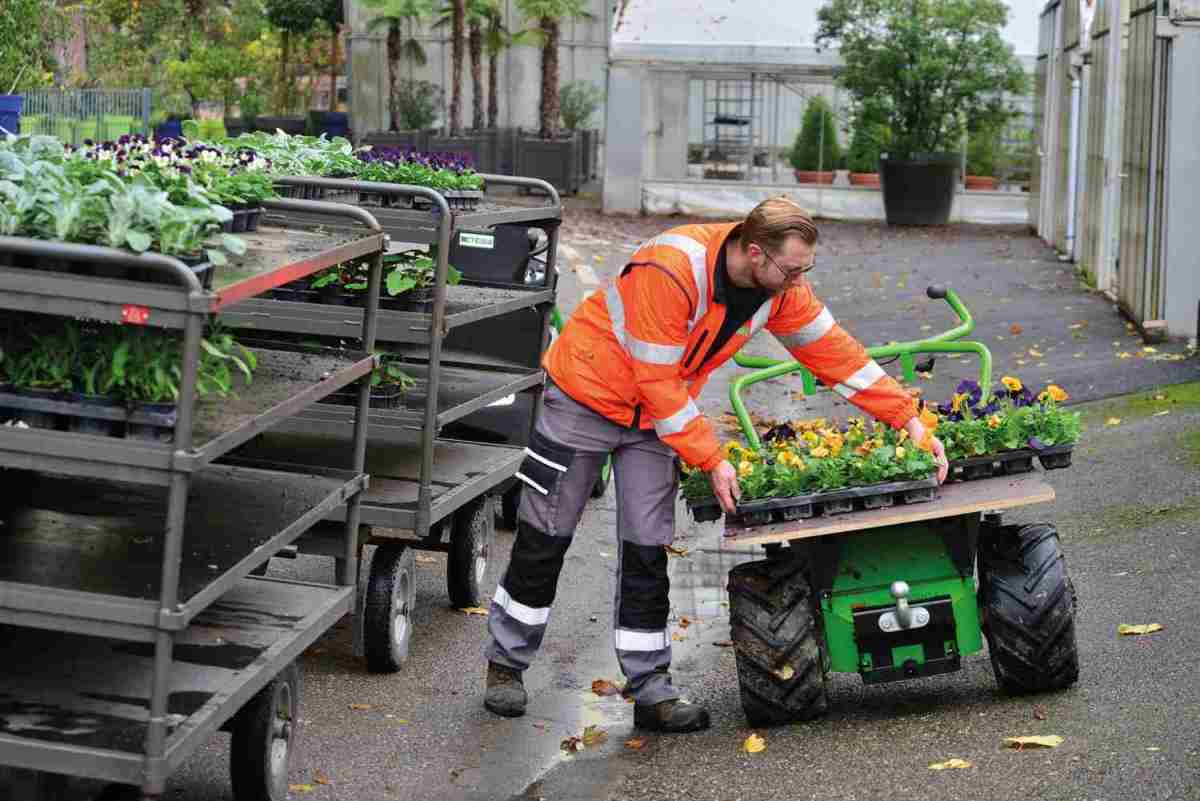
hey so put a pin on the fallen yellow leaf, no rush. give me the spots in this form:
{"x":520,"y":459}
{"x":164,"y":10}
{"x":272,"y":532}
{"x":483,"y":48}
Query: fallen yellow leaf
{"x":927,"y":328}
{"x":474,"y":610}
{"x":674,"y":551}
{"x":422,"y":559}
{"x":300,"y":788}
{"x":571,"y":745}
{"x":321,"y":778}
{"x":1015,"y":329}
{"x":1160,"y":397}
{"x":724,"y":643}
{"x":1113,"y":421}
{"x":1124,"y":355}
{"x":785,"y":672}
{"x":605,"y":687}
{"x":1077,"y":326}
{"x":684,"y":622}
{"x":1149,"y":349}
{"x":950,"y":764}
{"x":1039,"y":741}
{"x":1160,"y":414}
{"x":635,"y":743}
{"x":361,"y":707}
{"x":1138,"y":628}
{"x":754,"y":744}
{"x":1037,"y":354}
{"x":594,"y":736}
{"x":677,"y":637}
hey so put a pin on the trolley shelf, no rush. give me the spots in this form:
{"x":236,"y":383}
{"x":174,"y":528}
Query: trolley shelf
{"x":85,"y":555}
{"x":275,"y":256}
{"x":461,"y":391}
{"x":61,"y":694}
{"x":464,"y":305}
{"x":284,"y":383}
{"x":462,"y":471}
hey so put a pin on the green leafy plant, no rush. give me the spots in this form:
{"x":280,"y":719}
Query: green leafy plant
{"x":983,"y":150}
{"x":816,"y":146}
{"x":931,"y":65}
{"x":869,"y":139}
{"x":415,"y":271}
{"x":578,"y":103}
{"x":418,"y":104}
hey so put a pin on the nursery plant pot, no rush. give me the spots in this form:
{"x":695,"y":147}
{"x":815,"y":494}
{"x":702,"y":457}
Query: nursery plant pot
{"x":985,"y":183}
{"x":84,"y":424}
{"x":153,"y":422}
{"x":1056,"y":457}
{"x":869,"y":179}
{"x":417,"y":300}
{"x":252,"y":218}
{"x":238,"y":224}
{"x":919,"y":190}
{"x":813,"y":177}
{"x":33,"y":417}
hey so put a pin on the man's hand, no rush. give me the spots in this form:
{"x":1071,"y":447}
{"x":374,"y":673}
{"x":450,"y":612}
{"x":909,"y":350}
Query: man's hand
{"x":725,"y":486}
{"x":916,"y":432}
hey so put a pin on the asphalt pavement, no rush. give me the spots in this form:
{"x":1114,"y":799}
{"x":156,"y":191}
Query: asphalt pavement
{"x":1128,"y":511}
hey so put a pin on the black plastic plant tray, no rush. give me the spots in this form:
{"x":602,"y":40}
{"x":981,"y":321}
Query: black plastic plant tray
{"x":456,"y":199}
{"x":1056,"y":457}
{"x":299,"y":292}
{"x":64,"y":412}
{"x":802,"y":507}
{"x":382,"y":397}
{"x":1006,"y":463}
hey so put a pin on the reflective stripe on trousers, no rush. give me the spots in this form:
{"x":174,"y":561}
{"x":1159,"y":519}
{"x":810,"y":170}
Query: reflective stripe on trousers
{"x":646,"y":478}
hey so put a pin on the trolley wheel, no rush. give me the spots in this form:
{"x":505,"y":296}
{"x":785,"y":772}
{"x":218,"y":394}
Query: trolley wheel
{"x":471,"y":538}
{"x":600,"y":488}
{"x":510,"y":502}
{"x":775,"y":626}
{"x":387,"y":612}
{"x":263,"y":731}
{"x":1028,"y":605}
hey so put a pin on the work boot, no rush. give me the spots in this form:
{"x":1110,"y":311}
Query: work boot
{"x":671,"y":717}
{"x":505,"y":691}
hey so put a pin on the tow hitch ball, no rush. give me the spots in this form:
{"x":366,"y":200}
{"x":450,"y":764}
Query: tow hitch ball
{"x":903,"y":616}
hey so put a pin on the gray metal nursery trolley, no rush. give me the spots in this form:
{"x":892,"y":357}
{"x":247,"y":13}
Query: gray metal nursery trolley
{"x":438,"y":466}
{"x":131,"y":627}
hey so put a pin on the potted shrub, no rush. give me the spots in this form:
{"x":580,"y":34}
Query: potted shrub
{"x":964,"y":66}
{"x":866,"y":144}
{"x":983,"y":146}
{"x":815,"y":154}
{"x":417,"y":105}
{"x":579,"y":101}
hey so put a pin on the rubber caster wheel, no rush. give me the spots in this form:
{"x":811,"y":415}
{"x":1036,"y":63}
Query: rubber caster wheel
{"x":510,"y":502}
{"x":263,"y":734}
{"x":387,"y":611}
{"x":471,"y":538}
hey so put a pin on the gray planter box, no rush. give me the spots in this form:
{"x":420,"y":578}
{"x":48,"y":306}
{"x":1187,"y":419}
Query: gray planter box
{"x":480,"y":146}
{"x":556,"y":161}
{"x":589,"y":154}
{"x":415,"y":140}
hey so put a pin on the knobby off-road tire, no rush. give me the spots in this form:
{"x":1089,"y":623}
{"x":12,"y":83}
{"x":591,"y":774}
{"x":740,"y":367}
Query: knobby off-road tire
{"x":472,"y":536}
{"x":775,"y":627}
{"x":388,"y":608}
{"x":263,"y":734}
{"x":1027,"y":605}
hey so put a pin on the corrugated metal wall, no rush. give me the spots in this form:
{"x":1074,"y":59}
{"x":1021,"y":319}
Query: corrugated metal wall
{"x":1092,"y":213}
{"x":1043,"y":112}
{"x":1069,"y":12}
{"x":1139,"y":286}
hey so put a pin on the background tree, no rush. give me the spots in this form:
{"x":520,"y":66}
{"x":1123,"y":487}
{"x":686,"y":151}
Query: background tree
{"x":333,"y":14}
{"x":28,"y":32}
{"x":496,"y":39}
{"x":548,"y":16}
{"x":477,"y":17}
{"x":458,"y":16}
{"x":930,"y":64}
{"x":869,"y":139}
{"x":401,"y":17}
{"x":293,"y":18}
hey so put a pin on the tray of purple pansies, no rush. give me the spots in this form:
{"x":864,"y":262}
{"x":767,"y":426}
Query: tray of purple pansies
{"x":451,"y":175}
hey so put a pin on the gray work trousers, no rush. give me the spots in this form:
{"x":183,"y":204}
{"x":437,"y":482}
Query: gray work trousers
{"x":566,"y":453}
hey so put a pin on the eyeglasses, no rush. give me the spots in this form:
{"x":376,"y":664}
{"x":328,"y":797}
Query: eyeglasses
{"x":791,"y":275}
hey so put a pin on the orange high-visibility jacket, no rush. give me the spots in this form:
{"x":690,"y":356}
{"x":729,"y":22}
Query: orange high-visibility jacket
{"x":634,"y":352}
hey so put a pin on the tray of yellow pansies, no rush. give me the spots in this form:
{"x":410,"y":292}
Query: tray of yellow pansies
{"x":815,"y":467}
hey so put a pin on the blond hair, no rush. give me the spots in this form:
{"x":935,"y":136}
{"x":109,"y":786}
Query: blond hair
{"x":774,"y":220}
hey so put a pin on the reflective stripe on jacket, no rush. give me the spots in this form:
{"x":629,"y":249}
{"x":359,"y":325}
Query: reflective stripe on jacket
{"x":636,"y":353}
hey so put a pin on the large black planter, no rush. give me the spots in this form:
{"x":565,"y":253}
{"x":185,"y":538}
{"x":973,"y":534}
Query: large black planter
{"x":330,"y":123}
{"x":236,"y":126}
{"x":919,"y":190}
{"x":556,"y":161}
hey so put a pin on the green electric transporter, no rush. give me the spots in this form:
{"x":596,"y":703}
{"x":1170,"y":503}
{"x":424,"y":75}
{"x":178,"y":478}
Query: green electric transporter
{"x":900,"y":592}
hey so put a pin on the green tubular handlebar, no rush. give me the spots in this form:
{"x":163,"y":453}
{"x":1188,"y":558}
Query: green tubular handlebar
{"x":966,"y":324}
{"x":940,"y":343}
